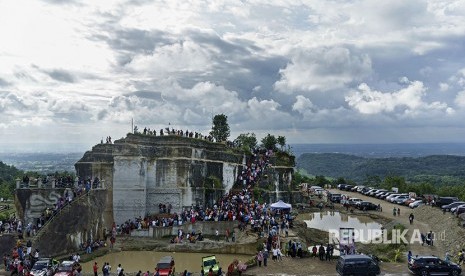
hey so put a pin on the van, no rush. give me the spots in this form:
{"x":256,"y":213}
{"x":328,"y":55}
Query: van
{"x":446,"y":200}
{"x":354,"y":264}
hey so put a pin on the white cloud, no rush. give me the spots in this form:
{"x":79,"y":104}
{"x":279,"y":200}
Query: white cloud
{"x":443,"y":87}
{"x":288,"y":66}
{"x":322,"y":69}
{"x":302,"y":104}
{"x":408,"y":100}
{"x":460,"y":99}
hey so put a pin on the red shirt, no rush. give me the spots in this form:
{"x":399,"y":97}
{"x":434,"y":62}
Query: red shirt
{"x":95,"y":268}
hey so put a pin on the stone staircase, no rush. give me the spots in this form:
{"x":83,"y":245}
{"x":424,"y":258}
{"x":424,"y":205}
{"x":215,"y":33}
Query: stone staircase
{"x":56,"y":217}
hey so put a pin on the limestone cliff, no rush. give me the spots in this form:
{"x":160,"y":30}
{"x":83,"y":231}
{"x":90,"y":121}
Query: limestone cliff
{"x":141,"y":171}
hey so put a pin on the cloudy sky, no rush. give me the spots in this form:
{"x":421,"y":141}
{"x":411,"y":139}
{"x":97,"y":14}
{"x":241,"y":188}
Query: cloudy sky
{"x":316,"y":71}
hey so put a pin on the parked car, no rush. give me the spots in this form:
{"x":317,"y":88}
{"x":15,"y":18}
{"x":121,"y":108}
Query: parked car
{"x":416,"y":203}
{"x":401,"y":199}
{"x":410,"y":200}
{"x":335,"y":198}
{"x":354,"y":264}
{"x":432,"y":265}
{"x":44,"y":267}
{"x":372,"y":192}
{"x":66,"y":268}
{"x":354,"y":201}
{"x":360,"y":188}
{"x":380,"y":192}
{"x":366,"y":205}
{"x":394,"y":198}
{"x":367,"y":191}
{"x":354,"y":189}
{"x":460,"y":210}
{"x":348,"y":187}
{"x":210,"y":262}
{"x":454,"y":209}
{"x":447,"y":207}
{"x":166,"y":266}
{"x":445,"y":200}
{"x":389,"y":197}
{"x":341,"y":186}
{"x":383,"y":196}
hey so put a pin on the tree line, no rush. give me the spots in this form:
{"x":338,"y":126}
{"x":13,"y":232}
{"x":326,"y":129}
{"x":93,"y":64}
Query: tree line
{"x":442,"y":175}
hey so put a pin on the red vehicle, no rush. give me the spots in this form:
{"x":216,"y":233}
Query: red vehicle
{"x":165,"y":266}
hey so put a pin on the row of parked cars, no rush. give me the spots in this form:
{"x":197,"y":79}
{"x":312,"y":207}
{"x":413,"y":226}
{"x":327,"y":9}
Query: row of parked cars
{"x":451,"y":204}
{"x":352,"y":202}
{"x":406,"y":199}
{"x":418,"y":265}
{"x":447,"y":204}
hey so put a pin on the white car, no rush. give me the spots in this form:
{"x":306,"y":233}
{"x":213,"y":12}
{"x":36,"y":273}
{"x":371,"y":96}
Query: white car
{"x":394,"y":198}
{"x":453,"y":209}
{"x":354,"y":201}
{"x":389,"y":197}
{"x":416,"y":203}
{"x":401,"y":199}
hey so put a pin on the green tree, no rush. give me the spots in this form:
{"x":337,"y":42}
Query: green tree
{"x":246,"y":141}
{"x":320,"y":180}
{"x":220,"y":130}
{"x":269,"y":142}
{"x":281,"y":140}
{"x":395,"y":181}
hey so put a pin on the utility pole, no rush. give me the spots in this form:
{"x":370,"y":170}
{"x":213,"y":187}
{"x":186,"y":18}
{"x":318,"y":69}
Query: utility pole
{"x":132,"y":125}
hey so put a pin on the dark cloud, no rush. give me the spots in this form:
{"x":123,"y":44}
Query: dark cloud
{"x":135,"y":41}
{"x":4,"y":83}
{"x":61,"y":75}
{"x":145,"y":94}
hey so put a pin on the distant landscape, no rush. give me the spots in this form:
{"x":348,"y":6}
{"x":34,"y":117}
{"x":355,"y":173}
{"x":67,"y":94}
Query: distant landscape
{"x":42,"y":162}
{"x":434,"y":169}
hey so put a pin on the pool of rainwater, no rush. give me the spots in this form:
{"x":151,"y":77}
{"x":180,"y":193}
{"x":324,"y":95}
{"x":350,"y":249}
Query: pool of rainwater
{"x":332,"y":221}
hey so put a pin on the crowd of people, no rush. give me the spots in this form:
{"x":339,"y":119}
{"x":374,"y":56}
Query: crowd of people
{"x":177,"y":132}
{"x":59,"y":181}
{"x":21,"y":259}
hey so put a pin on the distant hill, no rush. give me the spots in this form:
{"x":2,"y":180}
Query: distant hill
{"x":436,"y":169}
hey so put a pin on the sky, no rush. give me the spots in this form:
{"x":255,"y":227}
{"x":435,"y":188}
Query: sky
{"x":316,"y":71}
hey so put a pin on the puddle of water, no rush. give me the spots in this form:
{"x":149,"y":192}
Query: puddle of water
{"x":133,"y":261}
{"x":330,"y":220}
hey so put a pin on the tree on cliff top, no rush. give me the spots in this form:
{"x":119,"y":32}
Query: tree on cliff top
{"x":220,"y":129}
{"x":269,"y":142}
{"x":246,"y":141}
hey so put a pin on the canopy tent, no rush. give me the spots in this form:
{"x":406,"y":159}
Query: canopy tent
{"x":281,"y":205}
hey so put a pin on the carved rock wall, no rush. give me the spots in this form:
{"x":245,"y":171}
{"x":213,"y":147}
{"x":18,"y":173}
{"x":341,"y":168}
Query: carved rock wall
{"x":143,"y":171}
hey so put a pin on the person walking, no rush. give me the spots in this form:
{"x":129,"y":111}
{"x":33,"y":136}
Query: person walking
{"x":95,"y":268}
{"x":398,"y":211}
{"x":265,"y":258}
{"x":461,"y":256}
{"x":394,"y":211}
{"x":260,"y":258}
{"x":430,"y":237}
{"x":411,"y":217}
{"x":409,"y":256}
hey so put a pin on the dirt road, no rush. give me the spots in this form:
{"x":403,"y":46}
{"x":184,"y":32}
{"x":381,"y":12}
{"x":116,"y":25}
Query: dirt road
{"x":309,"y":266}
{"x":418,"y":225}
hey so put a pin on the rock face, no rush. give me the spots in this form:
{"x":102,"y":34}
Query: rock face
{"x":142,"y":171}
{"x":74,"y":224}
